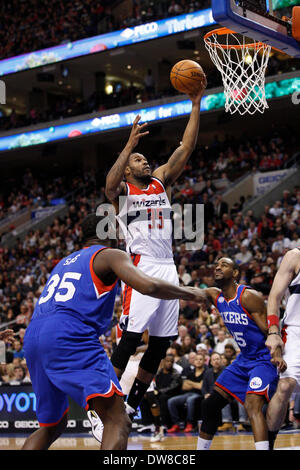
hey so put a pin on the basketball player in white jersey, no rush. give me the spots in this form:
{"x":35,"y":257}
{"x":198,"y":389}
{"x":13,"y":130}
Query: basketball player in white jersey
{"x":286,"y":282}
{"x":148,"y":234}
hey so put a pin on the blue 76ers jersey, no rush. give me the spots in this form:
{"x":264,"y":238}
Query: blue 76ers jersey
{"x":242,"y":327}
{"x":74,"y":289}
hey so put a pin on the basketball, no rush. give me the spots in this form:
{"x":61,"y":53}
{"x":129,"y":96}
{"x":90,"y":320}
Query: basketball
{"x":187,"y":77}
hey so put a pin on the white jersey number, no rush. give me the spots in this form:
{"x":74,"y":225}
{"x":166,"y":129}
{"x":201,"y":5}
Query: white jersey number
{"x":64,"y":284}
{"x":238,"y":336}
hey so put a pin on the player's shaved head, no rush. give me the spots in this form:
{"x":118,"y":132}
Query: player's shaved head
{"x":226,"y":270}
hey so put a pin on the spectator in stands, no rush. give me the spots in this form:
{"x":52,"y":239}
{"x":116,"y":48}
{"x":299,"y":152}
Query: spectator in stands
{"x":182,"y":332}
{"x":19,"y":375}
{"x":192,"y":392}
{"x":243,"y":256}
{"x":211,"y":374}
{"x":280,"y":243}
{"x":167,"y":384}
{"x":18,"y":349}
{"x":222,"y":341}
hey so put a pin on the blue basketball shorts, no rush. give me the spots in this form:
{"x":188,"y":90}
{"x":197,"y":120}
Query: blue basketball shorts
{"x":65,"y":358}
{"x":249,"y":376}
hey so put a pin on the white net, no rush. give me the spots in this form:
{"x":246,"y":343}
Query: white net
{"x":242,"y":66}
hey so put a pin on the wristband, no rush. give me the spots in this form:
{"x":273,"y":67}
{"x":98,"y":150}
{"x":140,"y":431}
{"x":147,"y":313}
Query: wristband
{"x":273,"y":320}
{"x":274,"y":333}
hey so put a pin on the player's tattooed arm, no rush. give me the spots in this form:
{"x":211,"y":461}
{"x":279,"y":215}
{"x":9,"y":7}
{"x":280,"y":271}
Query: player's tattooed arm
{"x":170,"y":171}
{"x":114,"y":180}
{"x":254,"y":303}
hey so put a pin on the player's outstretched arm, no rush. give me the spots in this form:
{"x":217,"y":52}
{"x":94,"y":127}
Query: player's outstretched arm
{"x":114,"y":179}
{"x":289,"y":266}
{"x":254,"y":303}
{"x":118,"y":262}
{"x":170,"y":171}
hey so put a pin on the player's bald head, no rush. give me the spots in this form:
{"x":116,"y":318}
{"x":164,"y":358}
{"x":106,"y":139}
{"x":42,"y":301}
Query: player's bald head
{"x":226,"y":270}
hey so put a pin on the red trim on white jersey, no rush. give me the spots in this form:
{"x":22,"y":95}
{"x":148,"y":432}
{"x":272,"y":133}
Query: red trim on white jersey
{"x":127,"y":292}
{"x":155,"y":187}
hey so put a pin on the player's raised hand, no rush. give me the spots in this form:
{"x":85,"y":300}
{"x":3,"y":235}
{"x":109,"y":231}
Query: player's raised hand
{"x":7,"y":335}
{"x":137,"y":131}
{"x":196,"y":97}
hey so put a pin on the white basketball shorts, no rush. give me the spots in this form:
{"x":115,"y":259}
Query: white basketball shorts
{"x":141,"y":312}
{"x":291,"y":352}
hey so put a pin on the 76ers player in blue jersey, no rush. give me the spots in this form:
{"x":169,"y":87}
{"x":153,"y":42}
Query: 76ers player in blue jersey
{"x":62,"y":347}
{"x":252,"y":378}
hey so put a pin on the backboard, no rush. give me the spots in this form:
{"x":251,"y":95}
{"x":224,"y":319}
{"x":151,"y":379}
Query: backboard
{"x":255,"y":19}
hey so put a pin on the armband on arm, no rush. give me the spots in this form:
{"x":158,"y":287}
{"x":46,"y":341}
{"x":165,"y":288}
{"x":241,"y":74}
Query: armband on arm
{"x":273,"y":320}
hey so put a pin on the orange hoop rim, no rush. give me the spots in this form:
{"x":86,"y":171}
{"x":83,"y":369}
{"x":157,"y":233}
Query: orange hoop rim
{"x":223,"y":31}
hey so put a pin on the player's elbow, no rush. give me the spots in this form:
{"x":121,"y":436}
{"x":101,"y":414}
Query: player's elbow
{"x":188,"y":148}
{"x":109,"y":193}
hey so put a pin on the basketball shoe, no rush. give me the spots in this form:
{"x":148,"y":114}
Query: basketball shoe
{"x":97,"y":425}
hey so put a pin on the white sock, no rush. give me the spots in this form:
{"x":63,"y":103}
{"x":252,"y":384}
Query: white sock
{"x":203,"y":444}
{"x":262,"y":445}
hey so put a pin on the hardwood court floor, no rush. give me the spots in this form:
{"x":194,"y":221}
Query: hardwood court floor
{"x":289,"y":440}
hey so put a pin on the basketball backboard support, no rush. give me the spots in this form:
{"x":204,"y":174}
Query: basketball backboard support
{"x":243,"y":17}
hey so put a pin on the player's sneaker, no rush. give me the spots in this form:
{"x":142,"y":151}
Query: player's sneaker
{"x":130,"y":411}
{"x":97,"y":425}
{"x":158,"y":435}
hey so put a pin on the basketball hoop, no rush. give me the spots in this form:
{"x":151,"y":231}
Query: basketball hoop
{"x":242,"y":65}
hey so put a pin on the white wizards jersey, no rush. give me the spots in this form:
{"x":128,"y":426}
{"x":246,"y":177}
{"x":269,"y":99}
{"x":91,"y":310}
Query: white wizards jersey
{"x":292,"y":311}
{"x":145,"y":219}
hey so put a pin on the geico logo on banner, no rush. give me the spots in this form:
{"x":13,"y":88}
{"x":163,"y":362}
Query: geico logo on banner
{"x":262,"y":182}
{"x":26,"y":424}
{"x":141,"y":30}
{"x":21,"y":401}
{"x":4,"y":424}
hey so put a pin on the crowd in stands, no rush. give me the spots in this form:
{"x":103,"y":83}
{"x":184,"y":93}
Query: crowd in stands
{"x":26,"y":31}
{"x":35,"y":191}
{"x":203,"y":346}
{"x":33,"y":25}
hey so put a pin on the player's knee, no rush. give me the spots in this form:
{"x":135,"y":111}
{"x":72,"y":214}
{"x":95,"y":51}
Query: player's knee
{"x":126,"y":348}
{"x":125,"y":425}
{"x":285,"y":387}
{"x":211,"y":412}
{"x":254,"y":405}
{"x":156,"y":351}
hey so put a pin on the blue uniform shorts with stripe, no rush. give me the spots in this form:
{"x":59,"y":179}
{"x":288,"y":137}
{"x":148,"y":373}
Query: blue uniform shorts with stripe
{"x":65,"y":358}
{"x":245,"y":376}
